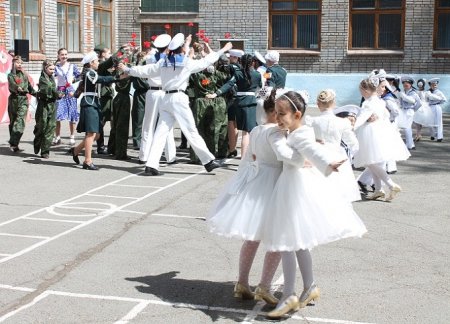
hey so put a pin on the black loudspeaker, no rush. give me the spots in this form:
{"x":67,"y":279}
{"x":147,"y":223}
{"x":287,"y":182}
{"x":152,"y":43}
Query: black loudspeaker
{"x":22,"y":48}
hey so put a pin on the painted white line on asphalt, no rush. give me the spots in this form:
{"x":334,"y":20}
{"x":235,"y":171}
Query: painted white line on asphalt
{"x":53,"y":220}
{"x":76,"y":206}
{"x":135,"y":186}
{"x":111,"y":196}
{"x":93,"y":220}
{"x":25,"y":236}
{"x":14,"y":312}
{"x":4,"y":254}
{"x":132,"y":212}
{"x":133,"y":313}
{"x":178,"y":216}
{"x":147,"y":302}
{"x":16,"y":288}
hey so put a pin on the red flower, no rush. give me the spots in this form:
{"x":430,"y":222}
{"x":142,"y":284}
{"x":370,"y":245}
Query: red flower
{"x":133,"y":43}
{"x":125,"y":60}
{"x":227,"y":35}
{"x":18,"y":80}
{"x":191,"y":24}
{"x":153,"y":37}
{"x":201,"y":31}
{"x":206,"y":39}
{"x":167,"y":26}
{"x":147,"y":44}
{"x":133,"y":35}
{"x":205,"y":82}
{"x":119,"y":54}
{"x":67,"y":85}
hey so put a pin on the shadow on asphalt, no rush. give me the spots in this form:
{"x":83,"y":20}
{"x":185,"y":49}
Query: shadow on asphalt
{"x":171,"y":289}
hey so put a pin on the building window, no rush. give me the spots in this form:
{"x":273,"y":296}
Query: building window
{"x":103,"y":22}
{"x":69,"y":25}
{"x":169,"y":5}
{"x":442,"y":25}
{"x":295,"y":24}
{"x":151,"y":30}
{"x":25,"y":22}
{"x":377,"y":24}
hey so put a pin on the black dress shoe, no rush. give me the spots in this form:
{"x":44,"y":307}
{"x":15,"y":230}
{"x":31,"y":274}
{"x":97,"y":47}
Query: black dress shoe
{"x":392,"y":172}
{"x":232,"y":154}
{"x":152,"y":172}
{"x":432,"y":138}
{"x":89,"y":166}
{"x":362,"y":187}
{"x":182,"y":147}
{"x":439,"y":140}
{"x":142,"y":162}
{"x":172,"y":162}
{"x":211,"y":165}
{"x":75,"y":157}
{"x":122,"y":158}
{"x":45,"y":156}
{"x":102,"y":150}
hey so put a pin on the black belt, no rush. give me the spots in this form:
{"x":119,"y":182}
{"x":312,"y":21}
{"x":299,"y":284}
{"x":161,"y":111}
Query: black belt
{"x":174,"y":91}
{"x":155,"y":88}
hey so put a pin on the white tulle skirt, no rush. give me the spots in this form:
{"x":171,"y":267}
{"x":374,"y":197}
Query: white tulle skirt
{"x":405,"y":118}
{"x":240,"y":208}
{"x":306,"y":210}
{"x":379,"y":141}
{"x":425,"y":116}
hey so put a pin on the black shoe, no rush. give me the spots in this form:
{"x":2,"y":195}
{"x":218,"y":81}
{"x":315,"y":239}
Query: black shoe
{"x":232,"y":154}
{"x":142,"y":162}
{"x":432,"y":138}
{"x":172,"y":162}
{"x":89,"y":166}
{"x":439,"y":140}
{"x":75,"y":158}
{"x":123,"y":158}
{"x":182,"y":147}
{"x":152,"y":172}
{"x":412,"y":148}
{"x":211,"y":165}
{"x":392,"y":172}
{"x":362,"y":187}
{"x":102,"y":150}
{"x":45,"y":156}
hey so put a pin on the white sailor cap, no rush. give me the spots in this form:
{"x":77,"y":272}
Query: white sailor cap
{"x":236,"y":52}
{"x":162,"y":40}
{"x":407,"y":78}
{"x":433,"y":80}
{"x":89,"y":57}
{"x":347,"y":110}
{"x":273,"y":56}
{"x":391,"y":77}
{"x":259,"y":57}
{"x":176,"y":42}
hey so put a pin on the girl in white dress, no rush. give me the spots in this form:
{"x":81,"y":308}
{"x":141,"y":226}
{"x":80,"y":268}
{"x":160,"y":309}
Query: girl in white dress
{"x":305,"y":209}
{"x":331,"y":131}
{"x":379,"y":141}
{"x":239,"y":208}
{"x":424,"y":116}
{"x":435,"y":98}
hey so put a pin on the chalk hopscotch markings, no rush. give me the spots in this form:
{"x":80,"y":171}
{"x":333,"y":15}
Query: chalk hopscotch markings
{"x":78,"y":206}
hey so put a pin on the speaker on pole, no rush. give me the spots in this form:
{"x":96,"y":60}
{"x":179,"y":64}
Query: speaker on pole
{"x":22,"y":48}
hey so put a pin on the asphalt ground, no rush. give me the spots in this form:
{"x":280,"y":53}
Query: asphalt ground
{"x":113,"y":246}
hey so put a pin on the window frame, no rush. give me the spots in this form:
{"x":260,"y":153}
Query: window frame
{"x":66,"y":4}
{"x":437,"y":11}
{"x":295,"y":13}
{"x":99,"y":8}
{"x":146,"y":7}
{"x":377,"y":11}
{"x":22,"y":16}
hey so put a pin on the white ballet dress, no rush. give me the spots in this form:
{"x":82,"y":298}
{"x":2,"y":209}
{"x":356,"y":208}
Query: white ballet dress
{"x":330,"y":131}
{"x":379,"y":140}
{"x":306,"y":208}
{"x":424,"y":115}
{"x":238,"y":210}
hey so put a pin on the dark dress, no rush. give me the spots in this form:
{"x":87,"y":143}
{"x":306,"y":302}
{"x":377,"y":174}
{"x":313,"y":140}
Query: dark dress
{"x":245,"y":100}
{"x":90,"y":109}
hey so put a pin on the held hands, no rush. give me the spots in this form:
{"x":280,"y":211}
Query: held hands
{"x":372,"y":118}
{"x":335,"y":165}
{"x":121,"y":67}
{"x":211,"y":95}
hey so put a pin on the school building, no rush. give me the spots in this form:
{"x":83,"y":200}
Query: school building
{"x":313,"y":36}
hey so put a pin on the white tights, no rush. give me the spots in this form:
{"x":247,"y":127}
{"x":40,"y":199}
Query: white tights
{"x":379,"y":175}
{"x":246,"y":257}
{"x":304,"y":260}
